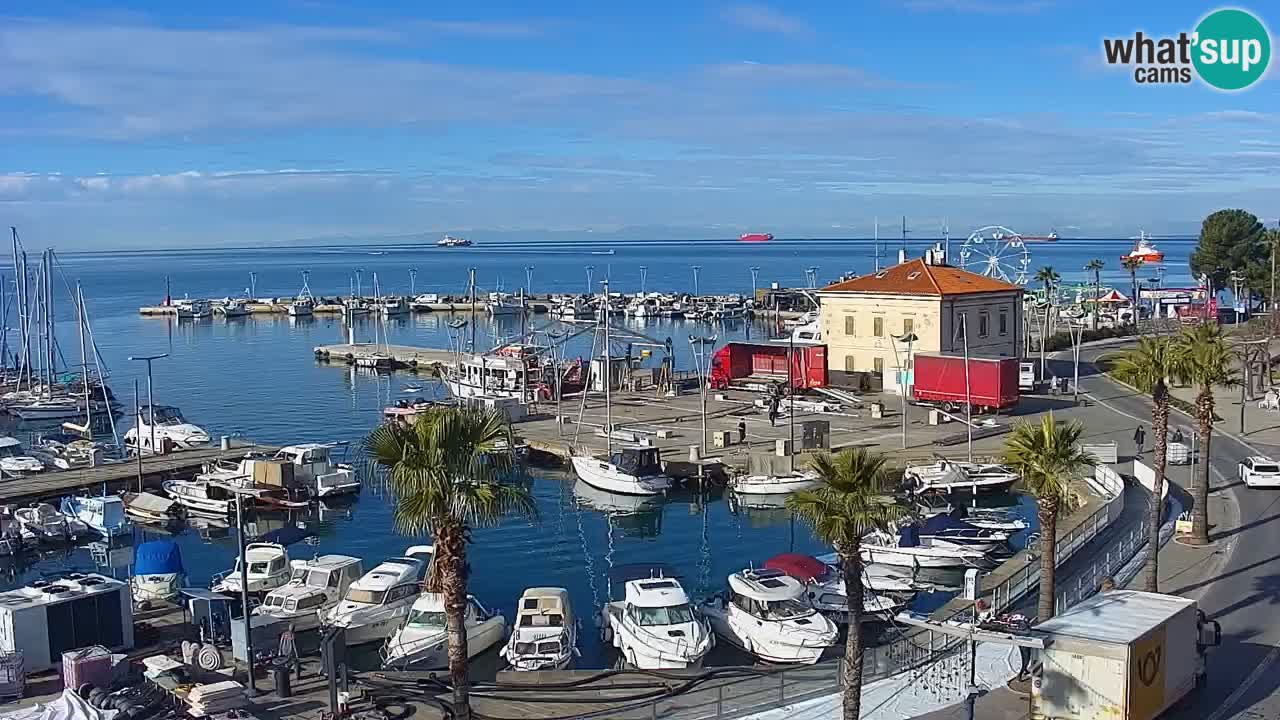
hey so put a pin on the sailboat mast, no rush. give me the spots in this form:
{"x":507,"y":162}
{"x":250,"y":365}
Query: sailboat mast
{"x":84,"y":362}
{"x":608,"y":379}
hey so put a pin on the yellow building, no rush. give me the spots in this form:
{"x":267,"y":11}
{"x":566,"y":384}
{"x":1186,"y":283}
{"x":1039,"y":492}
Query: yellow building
{"x":864,"y":319}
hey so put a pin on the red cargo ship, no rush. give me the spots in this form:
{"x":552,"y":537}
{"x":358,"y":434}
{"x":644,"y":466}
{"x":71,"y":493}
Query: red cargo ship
{"x":755,"y":237}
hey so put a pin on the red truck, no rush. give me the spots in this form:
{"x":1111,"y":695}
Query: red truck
{"x":993,"y":382}
{"x":768,"y":361}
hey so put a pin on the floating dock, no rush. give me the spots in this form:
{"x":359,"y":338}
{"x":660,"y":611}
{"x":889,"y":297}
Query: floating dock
{"x":371,"y":354}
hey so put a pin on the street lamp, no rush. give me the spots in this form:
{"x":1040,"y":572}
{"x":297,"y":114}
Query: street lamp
{"x":699,"y":346}
{"x":590,"y":269}
{"x":644,"y":276}
{"x":812,"y":274}
{"x":413,"y":281}
{"x":755,"y":274}
{"x":1076,"y":328}
{"x":359,"y":282}
{"x":528,"y":279}
{"x":904,"y":369}
{"x":696,"y":269}
{"x":1237,"y":285}
{"x":151,"y":403}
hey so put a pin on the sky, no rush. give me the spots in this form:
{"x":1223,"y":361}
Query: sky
{"x":148,"y":124}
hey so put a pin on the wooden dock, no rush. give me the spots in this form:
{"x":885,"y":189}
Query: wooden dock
{"x":401,"y":355}
{"x":119,"y":475}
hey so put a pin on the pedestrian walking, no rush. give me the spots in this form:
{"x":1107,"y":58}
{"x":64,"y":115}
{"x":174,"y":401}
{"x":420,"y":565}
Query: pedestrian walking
{"x":742,"y":431}
{"x":1139,"y":437}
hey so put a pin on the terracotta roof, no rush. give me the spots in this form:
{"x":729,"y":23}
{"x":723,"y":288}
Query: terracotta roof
{"x":915,"y":277}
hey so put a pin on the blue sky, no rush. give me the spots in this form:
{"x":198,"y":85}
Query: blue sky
{"x":264,"y":122}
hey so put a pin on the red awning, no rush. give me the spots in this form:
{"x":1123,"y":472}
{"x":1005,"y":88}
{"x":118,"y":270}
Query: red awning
{"x":800,"y":567}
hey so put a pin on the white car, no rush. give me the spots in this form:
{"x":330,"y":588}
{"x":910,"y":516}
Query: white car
{"x":1260,"y":471}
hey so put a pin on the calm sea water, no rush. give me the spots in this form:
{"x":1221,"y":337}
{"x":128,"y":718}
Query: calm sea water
{"x":256,"y":377}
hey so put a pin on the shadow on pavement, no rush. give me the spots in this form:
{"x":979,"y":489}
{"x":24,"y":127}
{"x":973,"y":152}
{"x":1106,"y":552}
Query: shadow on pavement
{"x":1228,"y":667}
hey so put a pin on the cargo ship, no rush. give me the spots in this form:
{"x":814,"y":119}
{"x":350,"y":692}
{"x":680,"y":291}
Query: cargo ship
{"x":451,"y":241}
{"x":755,"y":237}
{"x":1051,"y":237}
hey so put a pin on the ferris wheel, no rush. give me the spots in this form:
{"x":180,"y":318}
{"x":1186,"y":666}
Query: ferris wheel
{"x":997,"y":252}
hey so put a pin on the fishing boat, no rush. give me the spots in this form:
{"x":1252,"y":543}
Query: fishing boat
{"x":774,"y":484}
{"x":104,"y":514}
{"x":376,"y":604}
{"x":391,"y":305}
{"x":304,"y":305}
{"x":449,"y":241}
{"x":500,"y":305}
{"x":169,"y":429}
{"x":16,"y":462}
{"x":44,"y":523}
{"x":767,"y":614}
{"x":545,"y":633}
{"x":1144,"y":250}
{"x":188,"y":309}
{"x":233,"y":308}
{"x":755,"y":237}
{"x":314,"y":586}
{"x":314,"y":469}
{"x":422,"y":642}
{"x":157,"y":571}
{"x":516,"y":370}
{"x":825,"y":588}
{"x":654,"y":626}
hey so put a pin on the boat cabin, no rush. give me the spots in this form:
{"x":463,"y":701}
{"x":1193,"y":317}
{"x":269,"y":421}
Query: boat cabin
{"x":314,"y":584}
{"x":652,"y":595}
{"x":543,"y":608}
{"x":309,"y":460}
{"x":637,"y":461}
{"x":768,"y":595}
{"x":164,"y":414}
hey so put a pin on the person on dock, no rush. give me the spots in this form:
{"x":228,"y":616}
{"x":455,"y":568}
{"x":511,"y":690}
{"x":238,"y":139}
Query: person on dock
{"x":773,"y":411}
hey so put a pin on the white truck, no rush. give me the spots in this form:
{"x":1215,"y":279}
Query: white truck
{"x":1121,"y":655}
{"x":1027,"y":376}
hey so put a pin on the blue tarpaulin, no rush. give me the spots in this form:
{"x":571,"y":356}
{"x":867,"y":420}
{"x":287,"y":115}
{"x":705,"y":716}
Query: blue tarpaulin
{"x":157,"y":557}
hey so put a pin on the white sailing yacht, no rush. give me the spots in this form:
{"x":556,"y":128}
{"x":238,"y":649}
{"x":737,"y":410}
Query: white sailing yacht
{"x":632,"y":470}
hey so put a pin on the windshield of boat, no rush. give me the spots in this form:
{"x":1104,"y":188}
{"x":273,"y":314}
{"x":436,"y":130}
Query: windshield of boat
{"x":543,"y":647}
{"x":431,"y":618}
{"x":167,"y":416}
{"x":667,"y":615}
{"x":785,"y":609}
{"x":368,"y":597}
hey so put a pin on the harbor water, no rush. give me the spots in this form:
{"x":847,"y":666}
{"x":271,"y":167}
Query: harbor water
{"x":255,"y":377}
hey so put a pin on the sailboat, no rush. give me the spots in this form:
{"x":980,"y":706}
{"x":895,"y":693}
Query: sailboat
{"x":633,"y":470}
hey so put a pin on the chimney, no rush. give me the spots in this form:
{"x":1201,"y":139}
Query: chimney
{"x":902,"y":255}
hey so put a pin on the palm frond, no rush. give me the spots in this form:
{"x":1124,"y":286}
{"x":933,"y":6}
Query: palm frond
{"x":1048,"y":457}
{"x":1147,"y":366}
{"x":851,"y":501}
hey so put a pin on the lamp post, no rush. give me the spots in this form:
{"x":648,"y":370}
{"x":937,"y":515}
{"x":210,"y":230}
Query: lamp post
{"x":359,"y":282}
{"x":1237,"y":285}
{"x":1076,"y":328}
{"x":904,"y":368}
{"x":812,"y":274}
{"x":251,"y":690}
{"x":590,"y":269}
{"x":696,"y":269}
{"x":644,"y":276}
{"x":253,"y":285}
{"x":528,"y":279}
{"x":151,"y":403}
{"x":413,"y":281}
{"x":968,"y":391}
{"x":755,"y":275}
{"x":699,"y":346}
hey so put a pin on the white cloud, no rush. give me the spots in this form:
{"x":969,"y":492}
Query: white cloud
{"x":760,"y":18}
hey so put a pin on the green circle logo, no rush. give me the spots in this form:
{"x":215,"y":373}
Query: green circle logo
{"x":1232,"y":49}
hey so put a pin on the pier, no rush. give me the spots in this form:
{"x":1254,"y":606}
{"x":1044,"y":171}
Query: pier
{"x":370,"y":353}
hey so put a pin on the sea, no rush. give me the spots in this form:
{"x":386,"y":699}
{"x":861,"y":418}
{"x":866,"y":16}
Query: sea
{"x":256,"y":378}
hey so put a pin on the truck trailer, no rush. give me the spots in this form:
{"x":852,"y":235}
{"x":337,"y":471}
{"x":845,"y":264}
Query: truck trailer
{"x":992,"y":382}
{"x":1121,"y":655}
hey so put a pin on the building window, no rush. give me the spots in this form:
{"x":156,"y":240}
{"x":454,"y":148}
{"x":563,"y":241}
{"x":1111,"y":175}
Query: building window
{"x":960,"y":328}
{"x":877,"y":366}
{"x":908,"y":325}
{"x":984,"y":324}
{"x":877,"y":326}
{"x":849,"y":364}
{"x":850,"y":325}
{"x":1004,"y":323}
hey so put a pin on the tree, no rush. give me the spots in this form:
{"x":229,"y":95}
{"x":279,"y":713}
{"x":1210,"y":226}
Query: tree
{"x":1201,"y":358}
{"x":1148,"y":368}
{"x":447,"y":472}
{"x":1049,"y":458}
{"x":851,"y":502}
{"x":1130,"y":263}
{"x":1095,"y":266}
{"x":1233,"y":240}
{"x":1049,"y":278}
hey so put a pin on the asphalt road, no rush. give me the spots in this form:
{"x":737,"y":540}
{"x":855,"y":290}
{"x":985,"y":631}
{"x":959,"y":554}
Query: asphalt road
{"x":1244,"y":594}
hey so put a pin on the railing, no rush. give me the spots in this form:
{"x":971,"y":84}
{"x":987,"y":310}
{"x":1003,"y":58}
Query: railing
{"x":1087,"y":583}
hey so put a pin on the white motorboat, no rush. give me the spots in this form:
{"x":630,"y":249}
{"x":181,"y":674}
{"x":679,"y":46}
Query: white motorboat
{"x":201,"y":496}
{"x":767,"y":614}
{"x":391,"y":305}
{"x":157,"y":571}
{"x":314,"y":587}
{"x":825,"y":588}
{"x":774,"y":484}
{"x":880,"y":578}
{"x":188,"y":309}
{"x":170,"y":430}
{"x":233,"y":308}
{"x":268,"y":569}
{"x":14,"y":461}
{"x":68,"y":453}
{"x":946,"y":531}
{"x":376,"y":604}
{"x":906,"y":551}
{"x":353,"y":306}
{"x":629,"y":471}
{"x":103,"y":514}
{"x":422,"y":642}
{"x":545,"y":633}
{"x":503,"y":305}
{"x":654,"y":626}
{"x":958,"y":477}
{"x":314,"y":468}
{"x":991,"y":518}
{"x":44,"y":523}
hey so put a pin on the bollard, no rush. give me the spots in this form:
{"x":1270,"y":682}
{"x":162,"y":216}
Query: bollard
{"x":224,"y":442}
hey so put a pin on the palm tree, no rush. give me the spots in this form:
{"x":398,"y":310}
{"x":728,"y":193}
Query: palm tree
{"x":851,"y":502}
{"x":447,"y":473}
{"x":1049,"y":278}
{"x":1201,"y":358}
{"x":1049,"y":458}
{"x":1095,"y":266}
{"x":1148,"y":368}
{"x":1130,"y":263}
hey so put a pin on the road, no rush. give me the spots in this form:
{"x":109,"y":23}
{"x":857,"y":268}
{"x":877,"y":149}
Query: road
{"x":1244,"y":595}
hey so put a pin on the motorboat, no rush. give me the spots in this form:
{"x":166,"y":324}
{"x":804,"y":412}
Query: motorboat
{"x":103,"y":514}
{"x":629,"y":471}
{"x":157,"y":571}
{"x":957,"y":477}
{"x":233,"y":308}
{"x":202,"y":496}
{"x":947,"y":531}
{"x":376,"y":604}
{"x":654,"y":626}
{"x":1002,"y":519}
{"x":825,"y":588}
{"x":1143,"y":250}
{"x":882,"y":579}
{"x":422,"y":642}
{"x":545,"y":633}
{"x":12,"y":538}
{"x":66,"y":452}
{"x":44,"y":523}
{"x":188,"y":309}
{"x":449,"y":241}
{"x":906,"y":550}
{"x":169,"y":429}
{"x":353,"y":306}
{"x":573,"y":309}
{"x":145,"y":507}
{"x":767,"y":613}
{"x":775,"y":484}
{"x":502,"y":305}
{"x":392,"y":305}
{"x":314,"y":468}
{"x":15,"y":461}
{"x":268,"y":569}
{"x":314,"y":587}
